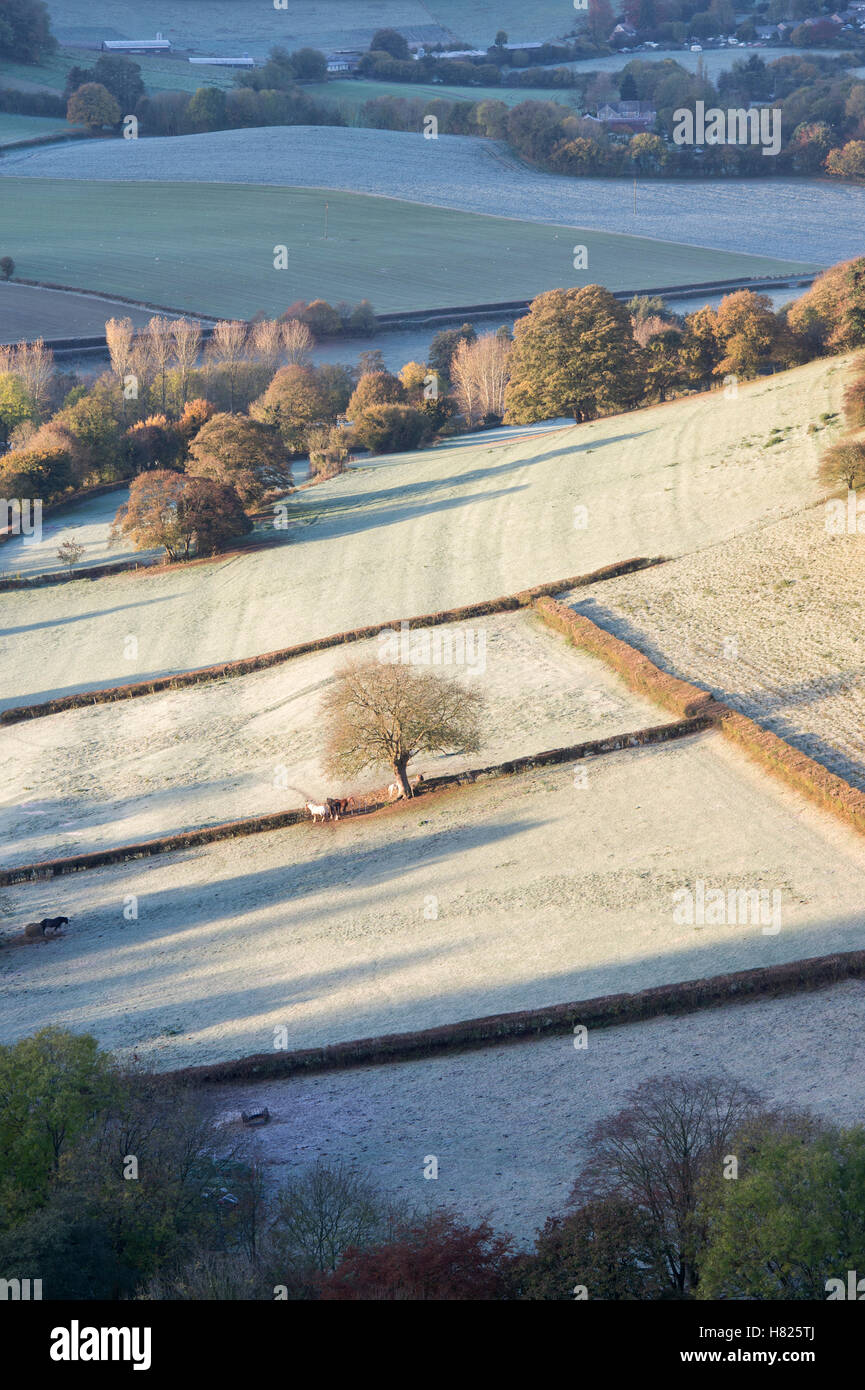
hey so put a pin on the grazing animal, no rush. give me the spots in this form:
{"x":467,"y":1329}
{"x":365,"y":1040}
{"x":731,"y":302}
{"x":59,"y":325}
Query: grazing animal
{"x":48,"y":924}
{"x":338,"y":807}
{"x":317,"y":811}
{"x":395,"y":791}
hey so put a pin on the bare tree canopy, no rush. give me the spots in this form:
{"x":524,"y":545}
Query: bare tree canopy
{"x":186,"y":336}
{"x":118,"y":335}
{"x":385,"y":714}
{"x":657,"y":1151}
{"x":479,"y":372}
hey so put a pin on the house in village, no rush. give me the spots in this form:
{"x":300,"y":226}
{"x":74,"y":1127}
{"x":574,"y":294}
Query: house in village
{"x":626,"y":116}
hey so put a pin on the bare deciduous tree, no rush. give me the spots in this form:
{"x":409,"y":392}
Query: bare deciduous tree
{"x":118,"y":335}
{"x":34,"y":364}
{"x":328,"y":1208}
{"x":844,"y":463}
{"x":388,"y":713}
{"x":479,"y":372}
{"x":159,"y":330}
{"x":266,"y":342}
{"x":142,"y":367}
{"x":228,"y":348}
{"x":297,"y":342}
{"x":670,"y":1137}
{"x":186,"y":336}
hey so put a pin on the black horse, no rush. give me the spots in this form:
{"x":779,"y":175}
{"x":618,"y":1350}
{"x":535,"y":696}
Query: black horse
{"x":48,"y":924}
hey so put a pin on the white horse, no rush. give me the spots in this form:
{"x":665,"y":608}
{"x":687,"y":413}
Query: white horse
{"x":395,"y":790}
{"x":315,"y":811}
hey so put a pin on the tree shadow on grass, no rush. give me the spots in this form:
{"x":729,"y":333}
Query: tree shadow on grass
{"x":82,"y":617}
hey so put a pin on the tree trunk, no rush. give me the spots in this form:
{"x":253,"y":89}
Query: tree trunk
{"x":402,"y":776}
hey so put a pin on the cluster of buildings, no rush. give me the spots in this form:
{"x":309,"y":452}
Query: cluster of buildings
{"x":851,"y":19}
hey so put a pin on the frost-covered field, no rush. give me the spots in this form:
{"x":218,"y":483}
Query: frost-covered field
{"x":86,"y":524}
{"x":208,"y":248}
{"x":415,"y":533}
{"x":509,"y":1125}
{"x":784,"y":218}
{"x":520,"y":893}
{"x":113,"y":774}
{"x":771,"y":623}
{"x":14,"y":127}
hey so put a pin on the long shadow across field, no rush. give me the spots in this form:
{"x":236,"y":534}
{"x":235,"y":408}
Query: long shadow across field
{"x":231,"y":1007}
{"x":475,"y":475}
{"x":82,"y":617}
{"x":291,"y":883}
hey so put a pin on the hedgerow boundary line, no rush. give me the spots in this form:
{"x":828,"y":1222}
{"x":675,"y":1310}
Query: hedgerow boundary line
{"x":247,"y":665}
{"x":371,"y":801}
{"x":806,"y":776}
{"x":605,"y":1011}
{"x":696,"y":708}
{"x":704,"y":712}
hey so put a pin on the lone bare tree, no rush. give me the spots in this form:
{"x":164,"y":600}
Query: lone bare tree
{"x":388,"y":713}
{"x":844,"y":463}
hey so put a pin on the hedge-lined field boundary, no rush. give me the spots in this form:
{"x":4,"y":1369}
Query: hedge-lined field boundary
{"x":605,"y":1011}
{"x":790,"y":765}
{"x":371,"y":801}
{"x":638,"y":672}
{"x":801,"y":772}
{"x":246,"y":665}
{"x":44,"y":580}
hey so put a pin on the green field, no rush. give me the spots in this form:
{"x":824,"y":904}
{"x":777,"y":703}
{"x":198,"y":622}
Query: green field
{"x":210,"y":248}
{"x":14,"y":128}
{"x":351,"y":92}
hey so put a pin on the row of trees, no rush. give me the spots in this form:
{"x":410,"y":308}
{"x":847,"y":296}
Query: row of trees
{"x":205,"y":109}
{"x":580,"y":352}
{"x":822,"y":121}
{"x":822,"y":112}
{"x":235,"y":413}
{"x":113,"y":1186}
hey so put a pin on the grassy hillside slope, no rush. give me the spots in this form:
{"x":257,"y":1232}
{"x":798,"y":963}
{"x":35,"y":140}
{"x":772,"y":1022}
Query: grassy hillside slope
{"x":414,"y":533}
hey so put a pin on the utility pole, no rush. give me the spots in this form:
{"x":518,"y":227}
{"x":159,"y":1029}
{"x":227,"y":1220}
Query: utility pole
{"x":635,"y":195}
